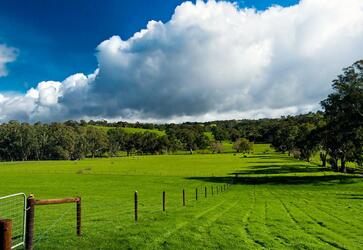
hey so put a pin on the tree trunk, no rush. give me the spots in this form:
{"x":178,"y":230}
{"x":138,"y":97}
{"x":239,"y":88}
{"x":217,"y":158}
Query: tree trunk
{"x":324,"y":162}
{"x":334,"y":164}
{"x":323,"y":159}
{"x":343,"y":169}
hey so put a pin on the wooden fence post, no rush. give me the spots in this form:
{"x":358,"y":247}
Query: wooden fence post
{"x":135,"y":205}
{"x":196,"y":194}
{"x":79,"y":216}
{"x":164,"y":197}
{"x":205,"y":192}
{"x":5,"y":234}
{"x":183,"y":197}
{"x":29,"y":233}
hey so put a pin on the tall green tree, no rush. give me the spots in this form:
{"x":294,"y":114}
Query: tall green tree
{"x":97,"y":141}
{"x":117,"y":138}
{"x":344,"y":115}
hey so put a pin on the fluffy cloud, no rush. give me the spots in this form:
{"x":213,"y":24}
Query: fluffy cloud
{"x":7,"y":55}
{"x":212,"y":60}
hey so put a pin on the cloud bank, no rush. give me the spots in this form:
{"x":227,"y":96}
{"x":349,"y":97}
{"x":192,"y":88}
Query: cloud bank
{"x":212,"y":60}
{"x":7,"y":55}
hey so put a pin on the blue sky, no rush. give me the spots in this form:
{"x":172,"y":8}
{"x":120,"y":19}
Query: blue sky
{"x":58,"y":38}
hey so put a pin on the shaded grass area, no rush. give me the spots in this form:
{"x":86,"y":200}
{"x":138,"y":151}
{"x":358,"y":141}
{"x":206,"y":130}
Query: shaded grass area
{"x":276,"y":202}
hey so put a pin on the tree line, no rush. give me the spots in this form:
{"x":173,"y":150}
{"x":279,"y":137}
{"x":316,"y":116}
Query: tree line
{"x":70,"y":140}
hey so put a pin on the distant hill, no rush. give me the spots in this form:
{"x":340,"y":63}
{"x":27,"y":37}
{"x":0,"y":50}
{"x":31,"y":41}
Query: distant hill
{"x":131,"y":130}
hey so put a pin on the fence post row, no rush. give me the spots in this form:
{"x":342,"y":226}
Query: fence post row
{"x":6,"y":226}
{"x":196,"y":194}
{"x":164,"y":197}
{"x":205,"y":192}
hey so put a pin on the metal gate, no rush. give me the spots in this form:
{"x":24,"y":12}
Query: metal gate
{"x":13,"y":207}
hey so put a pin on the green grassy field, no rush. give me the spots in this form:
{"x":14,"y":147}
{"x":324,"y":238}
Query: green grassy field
{"x":132,"y":130}
{"x":276,"y":203}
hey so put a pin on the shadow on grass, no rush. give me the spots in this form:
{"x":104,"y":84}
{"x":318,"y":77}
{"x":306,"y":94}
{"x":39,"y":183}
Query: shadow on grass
{"x":278,"y":180}
{"x":268,"y":157}
{"x":279,"y":169}
{"x":350,"y":196}
{"x":269,"y":161}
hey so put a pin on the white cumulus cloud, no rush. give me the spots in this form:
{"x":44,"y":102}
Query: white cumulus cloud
{"x":212,"y":60}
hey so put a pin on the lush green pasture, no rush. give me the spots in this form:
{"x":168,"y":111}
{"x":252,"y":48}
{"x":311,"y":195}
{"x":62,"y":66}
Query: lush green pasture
{"x":131,"y":130}
{"x":276,"y":203}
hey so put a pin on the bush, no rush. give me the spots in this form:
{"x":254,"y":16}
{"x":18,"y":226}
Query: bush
{"x":243,"y":146}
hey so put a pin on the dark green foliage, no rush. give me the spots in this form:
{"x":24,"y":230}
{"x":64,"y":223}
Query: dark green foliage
{"x":188,"y":137}
{"x":97,"y":141}
{"x":344,"y":116}
{"x":217,"y":147}
{"x":243,"y":146}
{"x":118,"y":139}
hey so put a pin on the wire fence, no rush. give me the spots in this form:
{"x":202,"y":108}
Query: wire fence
{"x":13,"y":207}
{"x":55,"y":223}
{"x":52,"y":222}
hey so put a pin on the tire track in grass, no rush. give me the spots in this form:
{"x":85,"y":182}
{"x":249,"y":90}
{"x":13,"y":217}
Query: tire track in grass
{"x":296,"y":222}
{"x":244,"y":231}
{"x":262,"y":232}
{"x":323,"y":226}
{"x":235,"y":224}
{"x":214,"y":218}
{"x":332,"y":244}
{"x":281,"y":238}
{"x":277,"y":222}
{"x":248,"y":219}
{"x":350,"y":224}
{"x":166,"y":235}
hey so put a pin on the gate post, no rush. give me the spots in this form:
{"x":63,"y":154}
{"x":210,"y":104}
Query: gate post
{"x":5,"y":234}
{"x":29,"y":233}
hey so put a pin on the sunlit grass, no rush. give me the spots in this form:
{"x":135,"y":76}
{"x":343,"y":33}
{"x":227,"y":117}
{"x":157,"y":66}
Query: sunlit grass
{"x":277,"y":202}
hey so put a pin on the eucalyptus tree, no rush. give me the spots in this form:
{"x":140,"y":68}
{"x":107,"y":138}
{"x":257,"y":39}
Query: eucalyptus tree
{"x":344,"y":116}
